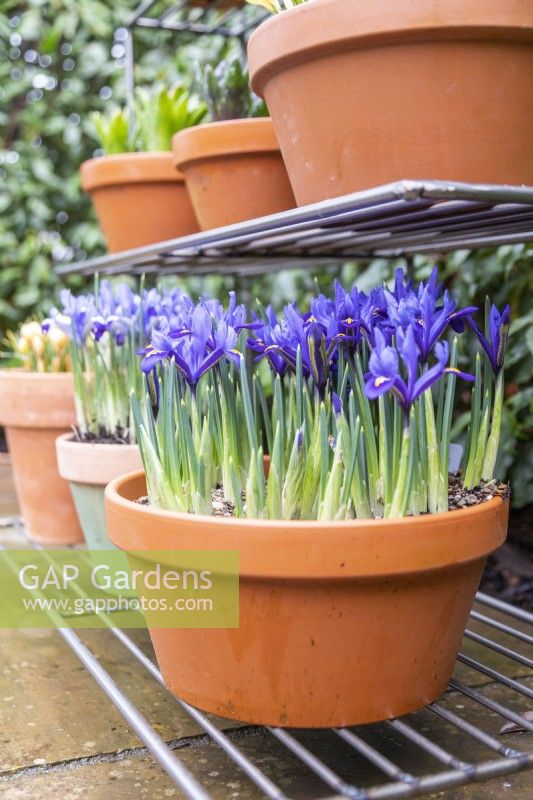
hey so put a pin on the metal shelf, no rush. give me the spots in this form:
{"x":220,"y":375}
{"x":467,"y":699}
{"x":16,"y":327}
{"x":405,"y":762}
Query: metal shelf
{"x":204,"y":17}
{"x":453,"y":742}
{"x":403,"y":218}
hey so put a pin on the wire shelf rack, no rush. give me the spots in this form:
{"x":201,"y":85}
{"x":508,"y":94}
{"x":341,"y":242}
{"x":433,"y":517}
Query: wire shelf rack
{"x":424,"y":752}
{"x":229,"y":18}
{"x":398,"y":219}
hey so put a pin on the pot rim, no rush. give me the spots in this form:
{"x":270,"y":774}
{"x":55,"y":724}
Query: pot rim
{"x":310,"y":550}
{"x":18,"y":373}
{"x":114,"y":487}
{"x":232,"y":137}
{"x":312,"y":30}
{"x":40,"y":400}
{"x":94,"y":462}
{"x":129,"y":168}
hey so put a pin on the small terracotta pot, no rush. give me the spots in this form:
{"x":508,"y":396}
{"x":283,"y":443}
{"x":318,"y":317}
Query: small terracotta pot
{"x":35,"y":408}
{"x":139,"y":199}
{"x":341,"y":623}
{"x":89,"y":467}
{"x":363,"y":93}
{"x":234,"y":171}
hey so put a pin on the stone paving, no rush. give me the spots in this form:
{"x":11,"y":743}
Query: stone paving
{"x":61,"y":738}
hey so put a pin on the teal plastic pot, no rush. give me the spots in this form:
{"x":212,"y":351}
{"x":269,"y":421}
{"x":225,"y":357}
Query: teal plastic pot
{"x":89,"y":468}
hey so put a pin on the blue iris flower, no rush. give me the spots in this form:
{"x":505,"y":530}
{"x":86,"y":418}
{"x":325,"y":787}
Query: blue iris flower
{"x":386,"y":375}
{"x":427,"y":311}
{"x":496,"y":345}
{"x":76,"y":317}
{"x":265,"y":342}
{"x":195,"y":347}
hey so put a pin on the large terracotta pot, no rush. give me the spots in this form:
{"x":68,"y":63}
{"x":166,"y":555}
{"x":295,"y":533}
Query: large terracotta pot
{"x":88,"y":468}
{"x":35,"y":408}
{"x":341,"y":623}
{"x":364,"y":92}
{"x":139,"y":199}
{"x":234,"y":171}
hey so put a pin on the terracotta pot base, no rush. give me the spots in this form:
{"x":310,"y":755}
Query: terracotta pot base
{"x":234,"y":171}
{"x":35,"y":409}
{"x":139,"y":199}
{"x":340,"y":623}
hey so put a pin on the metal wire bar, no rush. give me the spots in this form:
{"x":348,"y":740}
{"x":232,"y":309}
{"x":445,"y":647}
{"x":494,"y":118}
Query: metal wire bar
{"x":499,"y":605}
{"x":444,"y":780}
{"x":209,"y":19}
{"x":378,"y":759}
{"x":392,"y":220}
{"x":494,"y":623}
{"x":492,"y":673}
{"x":317,"y":766}
{"x":264,"y":783}
{"x":247,"y":766}
{"x":430,"y":747}
{"x":473,"y":730}
{"x":155,"y":744}
{"x":499,"y":648}
{"x":488,"y":702}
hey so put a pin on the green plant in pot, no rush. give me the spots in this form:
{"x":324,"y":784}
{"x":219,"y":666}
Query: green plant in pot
{"x":37,"y":405}
{"x":359,"y":93}
{"x":317,"y":445}
{"x":138,"y":195}
{"x":235,"y":155}
{"x":105,"y":331}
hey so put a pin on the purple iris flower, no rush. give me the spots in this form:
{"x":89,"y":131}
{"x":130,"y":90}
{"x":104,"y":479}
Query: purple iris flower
{"x":337,"y":404}
{"x":496,"y":345}
{"x":200,"y":349}
{"x":235,"y":315}
{"x":195,"y":349}
{"x":340,"y":318}
{"x":76,"y":317}
{"x":294,"y":332}
{"x":384,"y":368}
{"x":402,"y":286}
{"x":265,"y":344}
{"x":117,"y":309}
{"x":166,"y":311}
{"x":426,"y":312}
{"x":279,"y":340}
{"x":161,"y":347}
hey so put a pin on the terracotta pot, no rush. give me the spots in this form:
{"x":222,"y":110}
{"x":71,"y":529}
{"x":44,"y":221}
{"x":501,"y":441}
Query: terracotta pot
{"x":364,"y":92}
{"x":139,"y":199}
{"x":341,"y":623}
{"x":89,"y":467}
{"x":35,"y":408}
{"x":234,"y":171}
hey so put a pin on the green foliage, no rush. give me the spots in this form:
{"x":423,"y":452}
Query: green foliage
{"x":163,"y":114}
{"x":227,"y":91}
{"x":113,"y":131}
{"x":157,"y":116}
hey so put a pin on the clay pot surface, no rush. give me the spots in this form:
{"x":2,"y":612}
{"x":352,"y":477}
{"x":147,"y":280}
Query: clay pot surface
{"x":341,"y":623}
{"x":234,"y":171}
{"x":35,"y":408}
{"x":365,"y":92}
{"x":139,"y":199}
{"x":89,"y":467}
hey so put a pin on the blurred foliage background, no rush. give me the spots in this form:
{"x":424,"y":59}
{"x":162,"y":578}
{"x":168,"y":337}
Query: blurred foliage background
{"x":62,"y":59}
